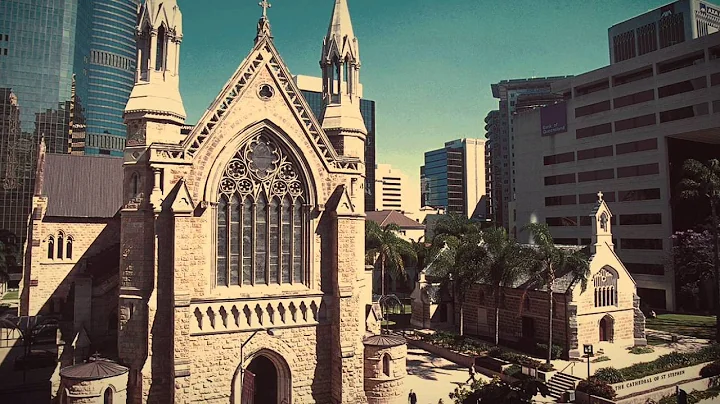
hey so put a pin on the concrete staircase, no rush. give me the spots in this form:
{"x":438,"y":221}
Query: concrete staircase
{"x":560,"y":383}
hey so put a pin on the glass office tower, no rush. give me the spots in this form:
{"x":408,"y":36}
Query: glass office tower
{"x":111,"y":75}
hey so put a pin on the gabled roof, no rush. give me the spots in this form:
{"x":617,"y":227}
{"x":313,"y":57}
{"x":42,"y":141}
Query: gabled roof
{"x":82,"y":186}
{"x":385,"y":217}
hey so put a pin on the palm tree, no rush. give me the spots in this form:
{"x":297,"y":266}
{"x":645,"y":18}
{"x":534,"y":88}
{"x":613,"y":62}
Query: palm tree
{"x":456,"y":225}
{"x":458,"y":262}
{"x":505,"y":264}
{"x":551,"y":261}
{"x":702,"y":181}
{"x":384,"y":245}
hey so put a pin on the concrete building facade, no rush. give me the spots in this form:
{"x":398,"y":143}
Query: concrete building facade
{"x":514,"y":95}
{"x":453,"y":178}
{"x":665,"y":26}
{"x":392,"y":190}
{"x":625,"y":129}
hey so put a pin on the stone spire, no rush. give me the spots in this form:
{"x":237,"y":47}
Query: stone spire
{"x":340,"y":63}
{"x":40,"y":170}
{"x":601,"y":225}
{"x":156,"y":94}
{"x":263,"y":27}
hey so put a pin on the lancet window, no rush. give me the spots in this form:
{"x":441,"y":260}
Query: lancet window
{"x":261,"y":218}
{"x":605,"y":288}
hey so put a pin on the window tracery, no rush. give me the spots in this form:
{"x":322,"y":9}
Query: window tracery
{"x":605,"y":287}
{"x":261,"y":218}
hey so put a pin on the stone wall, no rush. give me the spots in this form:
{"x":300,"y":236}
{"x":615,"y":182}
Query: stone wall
{"x":382,"y":388}
{"x":92,"y":392}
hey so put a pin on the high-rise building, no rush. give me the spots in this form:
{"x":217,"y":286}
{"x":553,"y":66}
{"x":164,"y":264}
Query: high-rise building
{"x":311,"y":88}
{"x":453,"y":178}
{"x":111,"y":74}
{"x":664,"y":26}
{"x":62,"y":63}
{"x":392,"y":190}
{"x":514,"y":95}
{"x":624,"y":129}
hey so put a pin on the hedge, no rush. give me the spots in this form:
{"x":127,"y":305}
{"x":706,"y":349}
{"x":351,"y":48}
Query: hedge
{"x":710,"y":370}
{"x":597,"y":387}
{"x":541,"y":350}
{"x":664,"y":363}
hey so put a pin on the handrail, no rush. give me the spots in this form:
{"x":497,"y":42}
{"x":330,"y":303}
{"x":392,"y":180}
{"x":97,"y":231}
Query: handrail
{"x":570,"y":365}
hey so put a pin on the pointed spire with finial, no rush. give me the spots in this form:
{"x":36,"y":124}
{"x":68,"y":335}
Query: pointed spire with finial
{"x":40,"y":169}
{"x":263,"y":27}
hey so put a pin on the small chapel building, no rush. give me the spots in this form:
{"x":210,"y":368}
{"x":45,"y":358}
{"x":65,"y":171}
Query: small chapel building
{"x":606,"y":313}
{"x":230,"y":259}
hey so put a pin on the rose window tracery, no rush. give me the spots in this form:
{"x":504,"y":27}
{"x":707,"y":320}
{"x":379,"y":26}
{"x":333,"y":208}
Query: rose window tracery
{"x":261,"y":217}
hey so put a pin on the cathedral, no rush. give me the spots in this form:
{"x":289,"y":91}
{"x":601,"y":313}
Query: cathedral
{"x":225,"y":265}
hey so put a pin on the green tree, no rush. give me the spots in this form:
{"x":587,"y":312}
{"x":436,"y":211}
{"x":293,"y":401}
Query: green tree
{"x":455,"y":225}
{"x":459,"y":264}
{"x":702,"y":182}
{"x":505,"y":263}
{"x":498,"y":391}
{"x":549,"y":262}
{"x":383,"y":245}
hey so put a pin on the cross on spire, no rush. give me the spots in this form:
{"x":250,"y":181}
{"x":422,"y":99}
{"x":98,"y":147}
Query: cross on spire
{"x":265,"y":5}
{"x":600,"y":196}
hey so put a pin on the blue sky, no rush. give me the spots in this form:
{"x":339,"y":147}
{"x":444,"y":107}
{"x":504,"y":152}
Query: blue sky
{"x":427,"y":63}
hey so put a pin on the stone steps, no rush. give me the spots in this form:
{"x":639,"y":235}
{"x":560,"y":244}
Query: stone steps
{"x":560,"y":383}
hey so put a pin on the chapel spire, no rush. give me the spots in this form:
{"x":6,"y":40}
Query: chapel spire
{"x":156,"y":94}
{"x":340,"y":63}
{"x":263,"y":27}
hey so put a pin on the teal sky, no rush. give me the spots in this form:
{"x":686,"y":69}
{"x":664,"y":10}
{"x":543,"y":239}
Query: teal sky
{"x":428,"y":64}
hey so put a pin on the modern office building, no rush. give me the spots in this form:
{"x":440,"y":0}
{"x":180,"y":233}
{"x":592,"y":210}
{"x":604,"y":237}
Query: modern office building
{"x":624,"y":129}
{"x":514,"y":95}
{"x":453,"y":178}
{"x":311,"y":88}
{"x":662,"y":27}
{"x":110,"y":74}
{"x":392,"y":190}
{"x":61,"y":72}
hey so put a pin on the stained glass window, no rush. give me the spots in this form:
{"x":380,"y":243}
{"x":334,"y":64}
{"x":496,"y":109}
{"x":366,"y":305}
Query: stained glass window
{"x":261,"y":218}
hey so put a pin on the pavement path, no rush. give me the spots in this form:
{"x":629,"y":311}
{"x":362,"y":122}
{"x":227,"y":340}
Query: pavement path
{"x":433,"y":378}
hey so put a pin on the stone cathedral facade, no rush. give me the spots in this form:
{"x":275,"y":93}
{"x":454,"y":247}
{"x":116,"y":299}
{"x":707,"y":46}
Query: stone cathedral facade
{"x":241,"y":272}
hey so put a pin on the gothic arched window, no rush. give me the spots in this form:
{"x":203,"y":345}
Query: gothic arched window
{"x":605,"y":288}
{"x":60,"y":246}
{"x":161,"y":52}
{"x":261,"y":218}
{"x":386,"y":365}
{"x":68,"y":248}
{"x":51,"y":247}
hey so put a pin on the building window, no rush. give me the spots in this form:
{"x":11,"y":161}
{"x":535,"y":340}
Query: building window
{"x":60,"y":246}
{"x":672,"y":30}
{"x":560,"y":200}
{"x":51,"y":247}
{"x":645,"y":269}
{"x":597,"y":152}
{"x":559,"y":158}
{"x":639,"y":195}
{"x":591,"y":131}
{"x":386,"y":365}
{"x":681,"y":63}
{"x":624,"y":46}
{"x":592,"y":88}
{"x":592,"y":108}
{"x":690,"y":111}
{"x":715,"y":80}
{"x":641,"y":244}
{"x":261,"y":218}
{"x":68,"y":248}
{"x":108,"y":396}
{"x":639,"y":170}
{"x":638,"y":146}
{"x":640,"y":219}
{"x":565,"y":241}
{"x":647,"y":38}
{"x":526,"y":302}
{"x":568,"y":221}
{"x":596,"y":175}
{"x":636,"y":75}
{"x":637,"y":122}
{"x":632,"y":99}
{"x":560,"y":179}
{"x":608,"y":196}
{"x":605,"y":286}
{"x":686,"y":86}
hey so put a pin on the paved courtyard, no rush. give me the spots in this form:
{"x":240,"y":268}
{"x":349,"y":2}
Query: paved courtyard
{"x":433,"y":378}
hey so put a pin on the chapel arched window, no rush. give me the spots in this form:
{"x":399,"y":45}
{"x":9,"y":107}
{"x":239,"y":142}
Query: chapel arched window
{"x":60,"y":246}
{"x":605,"y":288}
{"x":68,"y":248}
{"x":51,"y":247}
{"x":261,"y":218}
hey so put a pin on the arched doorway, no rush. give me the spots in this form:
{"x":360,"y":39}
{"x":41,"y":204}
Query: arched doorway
{"x":264,"y":378}
{"x":606,"y":328}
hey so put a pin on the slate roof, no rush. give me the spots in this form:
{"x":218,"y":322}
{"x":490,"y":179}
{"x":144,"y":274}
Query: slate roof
{"x":563,"y":281}
{"x":384,"y":340}
{"x":83,"y":186}
{"x":385,"y":217}
{"x":94,"y":370}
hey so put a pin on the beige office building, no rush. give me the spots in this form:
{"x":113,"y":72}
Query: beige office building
{"x":624,"y":129}
{"x":392,"y":190}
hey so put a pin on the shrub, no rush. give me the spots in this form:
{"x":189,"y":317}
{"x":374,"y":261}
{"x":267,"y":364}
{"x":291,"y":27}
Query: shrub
{"x":546,"y":367}
{"x":596,"y":387}
{"x":710,"y":370}
{"x":673,"y":360}
{"x":609,"y":375}
{"x":639,"y":350}
{"x":600,"y":359}
{"x":512,"y":370}
{"x":541,"y":350}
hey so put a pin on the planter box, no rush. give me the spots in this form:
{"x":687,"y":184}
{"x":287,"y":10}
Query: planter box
{"x":452,"y":356}
{"x":538,"y":374}
{"x":490,"y":363}
{"x":668,"y":378}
